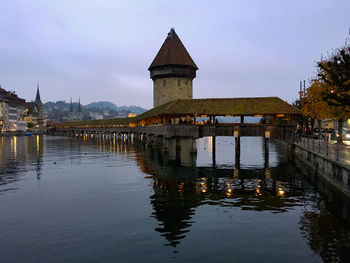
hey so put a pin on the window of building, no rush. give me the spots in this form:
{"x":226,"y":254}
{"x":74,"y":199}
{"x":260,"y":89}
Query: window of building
{"x":178,"y":82}
{"x":164,"y":83}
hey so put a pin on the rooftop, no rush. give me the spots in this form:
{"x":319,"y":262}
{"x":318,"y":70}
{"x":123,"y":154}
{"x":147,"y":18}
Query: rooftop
{"x":224,"y":106}
{"x":197,"y":107}
{"x":172,"y":52}
{"x":11,"y":97}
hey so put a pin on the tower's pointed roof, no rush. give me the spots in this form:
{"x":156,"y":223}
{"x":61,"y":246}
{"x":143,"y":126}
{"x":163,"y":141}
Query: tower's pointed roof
{"x":37,"y":97}
{"x":71,"y":105}
{"x":172,"y":52}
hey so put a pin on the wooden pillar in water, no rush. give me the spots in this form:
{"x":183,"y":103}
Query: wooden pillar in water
{"x":186,"y":150}
{"x":237,"y":148}
{"x":242,"y":119}
{"x":266,"y":148}
{"x":165,"y":145}
{"x":214,"y":150}
{"x":156,"y":142}
{"x":171,"y":143}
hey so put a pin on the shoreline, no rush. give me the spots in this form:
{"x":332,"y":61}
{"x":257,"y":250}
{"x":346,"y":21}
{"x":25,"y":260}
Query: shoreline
{"x":9,"y":134}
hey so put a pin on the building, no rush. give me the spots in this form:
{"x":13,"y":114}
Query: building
{"x":14,"y":113}
{"x":333,"y":123}
{"x":3,"y":113}
{"x":172,"y":71}
{"x":75,"y":115}
{"x":35,"y":112}
{"x":131,"y":115}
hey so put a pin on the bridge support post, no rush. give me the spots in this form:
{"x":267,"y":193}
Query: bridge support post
{"x":214,"y":150}
{"x":165,"y":145}
{"x":266,"y":148}
{"x":242,"y":119}
{"x":156,"y":141}
{"x":150,"y":140}
{"x":188,"y":150}
{"x":171,"y":148}
{"x":237,"y":148}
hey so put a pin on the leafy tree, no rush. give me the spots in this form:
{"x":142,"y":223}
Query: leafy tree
{"x":30,"y":125}
{"x":315,"y":106}
{"x":335,"y":73}
{"x":303,"y":119}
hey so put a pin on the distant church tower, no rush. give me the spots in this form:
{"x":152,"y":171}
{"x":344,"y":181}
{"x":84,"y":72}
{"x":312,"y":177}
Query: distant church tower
{"x":40,"y":107}
{"x":172,"y":71}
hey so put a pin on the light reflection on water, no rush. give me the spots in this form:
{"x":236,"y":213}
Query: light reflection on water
{"x":252,"y":152}
{"x":103,"y":200}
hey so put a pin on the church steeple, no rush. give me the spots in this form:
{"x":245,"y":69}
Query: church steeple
{"x":79,"y":106}
{"x":37,"y":97}
{"x":71,"y":105}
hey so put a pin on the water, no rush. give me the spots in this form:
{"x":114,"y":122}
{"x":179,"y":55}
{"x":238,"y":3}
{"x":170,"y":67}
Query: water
{"x":68,"y":199}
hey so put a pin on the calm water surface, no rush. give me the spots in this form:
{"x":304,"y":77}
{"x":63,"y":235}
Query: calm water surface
{"x":68,"y":199}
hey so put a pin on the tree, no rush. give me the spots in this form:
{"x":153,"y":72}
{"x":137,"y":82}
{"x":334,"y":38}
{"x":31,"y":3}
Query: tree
{"x":335,"y":73}
{"x":302,"y":119}
{"x":30,"y":125}
{"x":315,"y":106}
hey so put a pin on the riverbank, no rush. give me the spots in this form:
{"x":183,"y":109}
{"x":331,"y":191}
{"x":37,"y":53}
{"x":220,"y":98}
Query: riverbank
{"x":336,"y":173}
{"x":8,"y":134}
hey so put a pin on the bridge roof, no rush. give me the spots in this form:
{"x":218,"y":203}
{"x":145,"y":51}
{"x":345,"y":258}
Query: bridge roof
{"x":218,"y":107}
{"x":223,"y":106}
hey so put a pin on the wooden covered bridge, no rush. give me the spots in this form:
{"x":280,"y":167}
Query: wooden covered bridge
{"x":178,"y":123}
{"x":184,"y":118}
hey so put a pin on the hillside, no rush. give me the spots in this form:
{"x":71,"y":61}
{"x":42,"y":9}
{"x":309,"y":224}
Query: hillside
{"x":59,"y":111}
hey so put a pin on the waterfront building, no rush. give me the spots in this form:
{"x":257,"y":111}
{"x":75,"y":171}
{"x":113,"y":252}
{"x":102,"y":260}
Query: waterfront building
{"x":172,"y":71}
{"x":3,"y":113}
{"x":14,"y":118}
{"x":35,"y":112}
{"x":333,"y":123}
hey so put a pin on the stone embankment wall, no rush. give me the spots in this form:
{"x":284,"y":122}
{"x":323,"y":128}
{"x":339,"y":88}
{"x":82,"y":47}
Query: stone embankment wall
{"x":334,"y":172}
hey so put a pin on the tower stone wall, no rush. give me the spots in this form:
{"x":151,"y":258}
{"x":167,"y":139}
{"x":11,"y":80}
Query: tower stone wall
{"x":171,"y":88}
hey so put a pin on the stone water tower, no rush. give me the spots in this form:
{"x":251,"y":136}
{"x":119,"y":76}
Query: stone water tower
{"x":172,"y":71}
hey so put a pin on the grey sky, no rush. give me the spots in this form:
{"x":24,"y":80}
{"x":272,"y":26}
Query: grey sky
{"x":100,"y":50}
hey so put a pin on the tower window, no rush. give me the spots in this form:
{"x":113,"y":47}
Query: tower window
{"x":164,"y":83}
{"x":178,"y":82}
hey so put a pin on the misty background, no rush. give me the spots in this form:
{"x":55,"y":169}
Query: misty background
{"x":101,"y":50}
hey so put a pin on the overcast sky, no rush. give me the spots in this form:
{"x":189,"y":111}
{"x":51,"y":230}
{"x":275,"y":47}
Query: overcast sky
{"x":100,"y":50}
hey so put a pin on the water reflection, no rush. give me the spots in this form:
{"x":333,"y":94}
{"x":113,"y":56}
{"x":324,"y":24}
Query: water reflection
{"x":178,"y":191}
{"x":326,"y":234}
{"x":20,"y":154}
{"x":180,"y":194}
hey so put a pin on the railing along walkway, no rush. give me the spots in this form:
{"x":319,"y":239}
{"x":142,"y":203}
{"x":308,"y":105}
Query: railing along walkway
{"x":340,"y":153}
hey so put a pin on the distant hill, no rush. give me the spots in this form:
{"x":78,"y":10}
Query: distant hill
{"x":102,"y":105}
{"x":107,"y":105}
{"x":134,"y":109}
{"x":59,"y":110}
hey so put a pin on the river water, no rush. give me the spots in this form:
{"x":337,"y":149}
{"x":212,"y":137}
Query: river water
{"x":65,"y":199}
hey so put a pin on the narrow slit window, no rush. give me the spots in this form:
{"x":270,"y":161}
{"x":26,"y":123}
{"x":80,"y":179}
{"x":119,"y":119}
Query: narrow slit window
{"x":178,"y":82}
{"x":164,"y":83}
